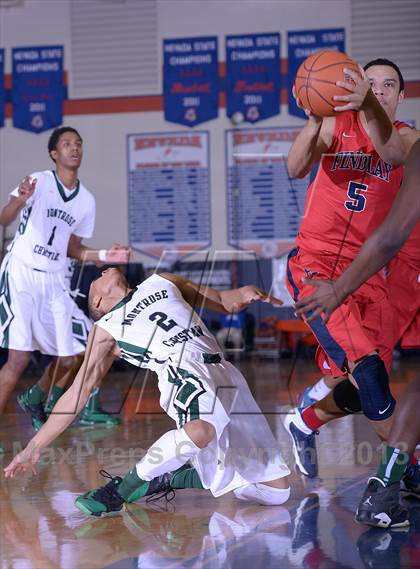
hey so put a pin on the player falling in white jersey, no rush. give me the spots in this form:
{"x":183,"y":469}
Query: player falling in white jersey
{"x":220,"y":430}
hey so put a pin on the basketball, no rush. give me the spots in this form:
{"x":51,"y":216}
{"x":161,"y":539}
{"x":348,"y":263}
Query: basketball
{"x":315,"y":81}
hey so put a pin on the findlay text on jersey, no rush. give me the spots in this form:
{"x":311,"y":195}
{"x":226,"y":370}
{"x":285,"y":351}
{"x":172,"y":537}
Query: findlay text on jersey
{"x":363,"y":163}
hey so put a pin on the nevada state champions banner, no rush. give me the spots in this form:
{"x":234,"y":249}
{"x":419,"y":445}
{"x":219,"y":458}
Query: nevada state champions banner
{"x":191,"y":82}
{"x":253,"y":76}
{"x":301,"y":45}
{"x":37,"y":89}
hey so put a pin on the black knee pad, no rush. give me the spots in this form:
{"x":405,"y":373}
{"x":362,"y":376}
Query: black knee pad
{"x":346,"y":397}
{"x":373,"y":382}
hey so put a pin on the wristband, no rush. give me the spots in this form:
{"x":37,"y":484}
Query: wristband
{"x":102,"y":255}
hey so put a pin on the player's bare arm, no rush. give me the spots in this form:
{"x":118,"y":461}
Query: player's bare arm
{"x":386,"y":139}
{"x":10,"y":211}
{"x":409,"y":137}
{"x":226,"y":301}
{"x":378,"y":249}
{"x":310,"y":144}
{"x":100,"y":353}
{"x":116,"y":254}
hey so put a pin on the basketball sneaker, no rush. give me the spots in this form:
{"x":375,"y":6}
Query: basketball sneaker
{"x":304,"y":448}
{"x":380,"y":506}
{"x":97,"y":417}
{"x":305,"y":531}
{"x":410,"y":482}
{"x":305,"y":400}
{"x":51,"y":401}
{"x":379,"y":548}
{"x":107,"y":501}
{"x":93,"y":414}
{"x":159,"y":487}
{"x":35,"y":410}
{"x":102,"y":501}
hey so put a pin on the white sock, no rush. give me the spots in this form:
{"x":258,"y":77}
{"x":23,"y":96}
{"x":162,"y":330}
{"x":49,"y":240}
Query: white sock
{"x":168,"y":453}
{"x":319,"y":390}
{"x":262,"y":494}
{"x":300,"y":423}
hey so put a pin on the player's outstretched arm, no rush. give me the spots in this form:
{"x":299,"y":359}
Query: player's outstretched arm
{"x":117,"y":254}
{"x":226,"y":301}
{"x":100,"y":353}
{"x":378,"y":249}
{"x":16,"y":203}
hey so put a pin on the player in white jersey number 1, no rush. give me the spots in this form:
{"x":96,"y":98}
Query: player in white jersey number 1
{"x":56,"y":213}
{"x":220,"y":431}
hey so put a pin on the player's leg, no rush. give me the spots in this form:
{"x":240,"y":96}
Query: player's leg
{"x":272,"y":493}
{"x":154,"y":473}
{"x":32,"y":400}
{"x":372,"y":395}
{"x":345,"y":340}
{"x":58,"y":377}
{"x":11,"y":372}
{"x":318,"y":391}
{"x":304,"y":424}
{"x":323,"y":386}
{"x":17,"y":301}
{"x":380,"y":504}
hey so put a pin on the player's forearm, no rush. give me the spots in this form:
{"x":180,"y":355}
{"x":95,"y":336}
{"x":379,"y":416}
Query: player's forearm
{"x":385,"y":137}
{"x":10,"y":212}
{"x":300,"y":158}
{"x":84,"y":254}
{"x":374,"y":254}
{"x":65,"y":411}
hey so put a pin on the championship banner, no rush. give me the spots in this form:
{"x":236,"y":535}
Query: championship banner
{"x":37,"y":91}
{"x":190,"y":80}
{"x":169,"y":193}
{"x":265,"y":205}
{"x":303,"y":44}
{"x":2,"y":91}
{"x":253,"y":76}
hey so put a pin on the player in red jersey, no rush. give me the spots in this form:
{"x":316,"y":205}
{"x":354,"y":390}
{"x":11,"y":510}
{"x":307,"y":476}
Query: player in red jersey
{"x":361,"y":155}
{"x":380,"y":505}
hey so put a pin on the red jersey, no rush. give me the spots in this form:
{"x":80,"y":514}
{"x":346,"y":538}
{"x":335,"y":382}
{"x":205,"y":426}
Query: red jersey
{"x":351,"y":195}
{"x":410,"y":251}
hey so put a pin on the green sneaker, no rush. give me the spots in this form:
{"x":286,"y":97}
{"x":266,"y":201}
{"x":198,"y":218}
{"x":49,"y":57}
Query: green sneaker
{"x":50,"y":404}
{"x":35,"y":410}
{"x":93,"y":414}
{"x":98,"y":417}
{"x":102,"y":501}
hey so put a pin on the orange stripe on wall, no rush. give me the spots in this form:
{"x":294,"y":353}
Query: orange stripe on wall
{"x":154,"y":103}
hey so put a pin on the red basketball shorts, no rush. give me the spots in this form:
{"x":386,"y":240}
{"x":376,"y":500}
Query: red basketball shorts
{"x":361,"y":325}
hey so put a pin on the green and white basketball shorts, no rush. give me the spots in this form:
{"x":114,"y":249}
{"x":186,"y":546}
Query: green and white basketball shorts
{"x":244,"y":450}
{"x":36,"y":311}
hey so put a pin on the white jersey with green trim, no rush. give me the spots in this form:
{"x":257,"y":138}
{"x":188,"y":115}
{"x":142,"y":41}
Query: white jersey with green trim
{"x":153,"y":322}
{"x":50,"y":216}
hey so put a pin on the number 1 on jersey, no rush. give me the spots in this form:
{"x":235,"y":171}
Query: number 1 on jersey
{"x":358,"y":200}
{"x":51,"y":239}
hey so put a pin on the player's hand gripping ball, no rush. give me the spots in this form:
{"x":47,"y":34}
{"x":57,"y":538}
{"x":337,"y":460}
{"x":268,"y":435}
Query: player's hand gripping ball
{"x":315,"y":84}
